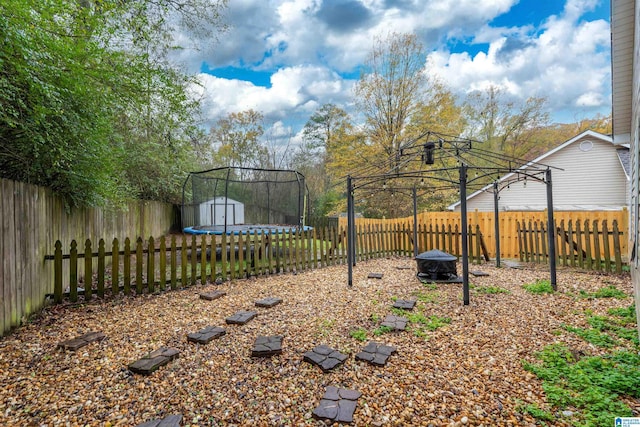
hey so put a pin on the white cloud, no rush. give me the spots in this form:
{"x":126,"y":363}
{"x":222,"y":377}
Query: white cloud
{"x":568,"y":62}
{"x":305,"y":44}
{"x":294,"y":90}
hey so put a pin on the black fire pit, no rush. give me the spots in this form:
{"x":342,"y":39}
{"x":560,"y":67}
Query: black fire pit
{"x":437,"y":266}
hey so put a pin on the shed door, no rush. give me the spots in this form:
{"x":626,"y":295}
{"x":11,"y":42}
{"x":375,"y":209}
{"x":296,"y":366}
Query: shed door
{"x":218,"y":213}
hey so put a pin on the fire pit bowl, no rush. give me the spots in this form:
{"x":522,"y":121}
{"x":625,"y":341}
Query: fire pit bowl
{"x":436,"y":265}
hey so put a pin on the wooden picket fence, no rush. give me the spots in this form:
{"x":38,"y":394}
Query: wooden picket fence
{"x":147,"y":266}
{"x":589,"y":245}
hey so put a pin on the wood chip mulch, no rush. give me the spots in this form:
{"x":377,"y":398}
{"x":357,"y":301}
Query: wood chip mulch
{"x":467,"y":372}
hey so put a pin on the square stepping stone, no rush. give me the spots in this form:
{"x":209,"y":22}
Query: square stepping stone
{"x":376,"y":353}
{"x":267,"y":346}
{"x":268,"y":302}
{"x":170,"y":421}
{"x":337,"y":405}
{"x":325,"y":357}
{"x":154,"y":360}
{"x":404,"y":304}
{"x":78,"y":342}
{"x":396,"y":323}
{"x":375,"y":276}
{"x":241,"y":317}
{"x":203,"y":336}
{"x":210,"y":296}
{"x":479,"y":273}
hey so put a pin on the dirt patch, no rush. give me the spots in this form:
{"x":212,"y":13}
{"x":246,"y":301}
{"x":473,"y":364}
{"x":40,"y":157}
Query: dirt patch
{"x":468,"y":370}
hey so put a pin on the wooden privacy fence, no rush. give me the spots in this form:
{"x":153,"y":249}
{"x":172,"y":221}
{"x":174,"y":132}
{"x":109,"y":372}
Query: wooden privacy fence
{"x":588,"y":245}
{"x":32,"y":218}
{"x":179,"y":261}
{"x":509,"y":244}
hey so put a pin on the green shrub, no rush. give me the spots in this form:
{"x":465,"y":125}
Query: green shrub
{"x":539,"y":287}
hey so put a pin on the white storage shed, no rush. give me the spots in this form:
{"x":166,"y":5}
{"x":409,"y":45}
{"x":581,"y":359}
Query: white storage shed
{"x":215,"y":211}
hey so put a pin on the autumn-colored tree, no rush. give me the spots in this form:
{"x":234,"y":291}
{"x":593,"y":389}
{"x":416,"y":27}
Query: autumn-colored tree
{"x":505,"y":126}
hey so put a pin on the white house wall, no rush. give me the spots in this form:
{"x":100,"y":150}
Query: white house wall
{"x":591,"y":180}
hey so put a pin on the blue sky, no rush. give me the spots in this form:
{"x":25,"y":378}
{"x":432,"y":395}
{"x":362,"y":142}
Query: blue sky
{"x":285,"y":58}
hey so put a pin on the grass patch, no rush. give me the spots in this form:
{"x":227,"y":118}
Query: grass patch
{"x":539,"y":287}
{"x":590,"y":385}
{"x":533,"y":410}
{"x":426,"y":296}
{"x":592,"y":336}
{"x":606,"y":292}
{"x":430,"y":286}
{"x":605,"y":330}
{"x":421,"y":323}
{"x":380,"y":330}
{"x":627,"y":315}
{"x":359,"y":334}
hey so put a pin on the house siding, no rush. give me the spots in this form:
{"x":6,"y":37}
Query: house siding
{"x":632,"y":117}
{"x":590,"y":180}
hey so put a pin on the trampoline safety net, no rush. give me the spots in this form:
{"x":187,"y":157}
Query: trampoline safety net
{"x":224,"y":197}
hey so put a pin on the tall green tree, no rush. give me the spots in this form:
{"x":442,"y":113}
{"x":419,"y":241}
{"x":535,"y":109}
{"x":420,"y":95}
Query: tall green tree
{"x":90,"y":103}
{"x":327,"y":130}
{"x":236,"y":141}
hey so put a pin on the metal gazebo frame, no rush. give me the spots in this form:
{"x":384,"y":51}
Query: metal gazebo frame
{"x":431,"y":148}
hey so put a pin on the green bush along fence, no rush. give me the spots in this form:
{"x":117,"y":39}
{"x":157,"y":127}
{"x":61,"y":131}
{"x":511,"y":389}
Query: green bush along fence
{"x":182,"y":261}
{"x":588,"y":245}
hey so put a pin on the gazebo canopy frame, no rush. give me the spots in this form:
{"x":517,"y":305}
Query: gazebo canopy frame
{"x":434,"y":162}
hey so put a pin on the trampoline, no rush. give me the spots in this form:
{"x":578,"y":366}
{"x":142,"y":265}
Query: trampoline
{"x":238,"y":200}
{"x":245,"y":229}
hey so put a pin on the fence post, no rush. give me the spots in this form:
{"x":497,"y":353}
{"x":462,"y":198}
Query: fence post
{"x":203,"y":259}
{"x":194,"y":260}
{"x":616,"y":247}
{"x":596,"y":246}
{"x":139,"y":266}
{"x":163,"y":263}
{"x":127,"y":266}
{"x":174,"y":264}
{"x":73,"y":272}
{"x":115,"y":267}
{"x":151,"y":268}
{"x":57,"y":273}
{"x":605,"y":244}
{"x":88,"y":270}
{"x":101,"y":268}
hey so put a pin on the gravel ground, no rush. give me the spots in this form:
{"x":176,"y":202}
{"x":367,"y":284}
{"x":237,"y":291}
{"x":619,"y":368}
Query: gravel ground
{"x":466,"y":372}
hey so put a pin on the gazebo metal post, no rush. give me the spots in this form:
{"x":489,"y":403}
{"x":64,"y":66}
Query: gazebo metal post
{"x":465,"y":236}
{"x":551,"y":231}
{"x":350,"y":225}
{"x":496,"y":221}
{"x":415,"y":222}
